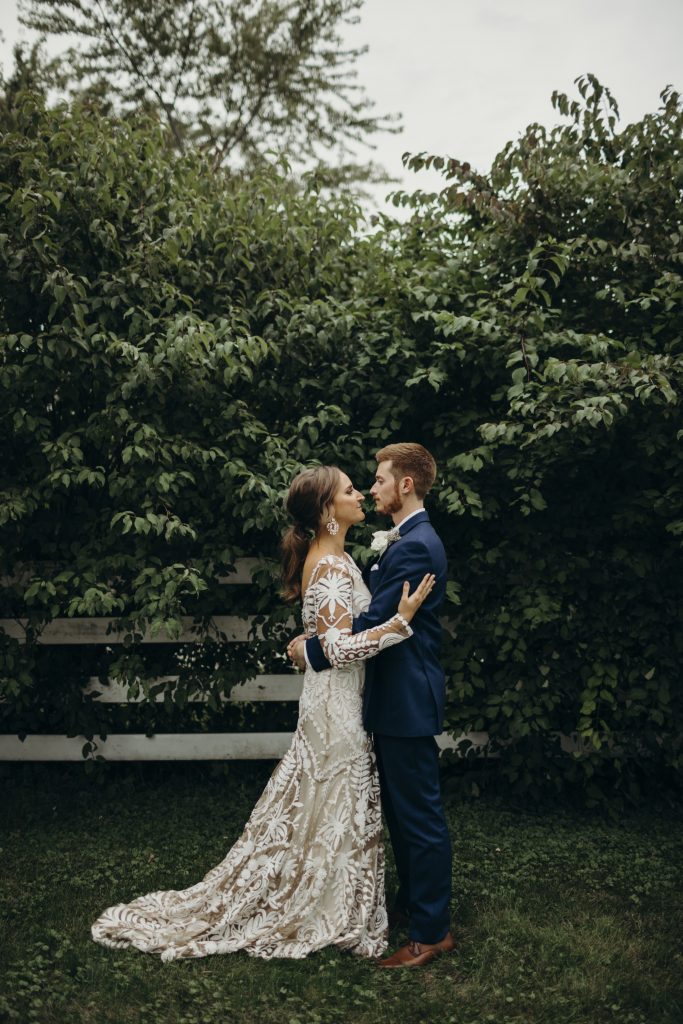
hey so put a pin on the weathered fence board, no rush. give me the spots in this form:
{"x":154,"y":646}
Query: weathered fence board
{"x":103,"y":631}
{"x":262,"y":688}
{"x":160,"y":747}
{"x":243,"y":572}
{"x":205,"y":746}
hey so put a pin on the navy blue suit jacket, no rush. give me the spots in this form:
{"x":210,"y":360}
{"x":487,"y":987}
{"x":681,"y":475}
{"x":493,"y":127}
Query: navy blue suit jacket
{"x":404,"y":685}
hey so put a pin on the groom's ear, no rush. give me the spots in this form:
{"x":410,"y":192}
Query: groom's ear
{"x":407,"y":485}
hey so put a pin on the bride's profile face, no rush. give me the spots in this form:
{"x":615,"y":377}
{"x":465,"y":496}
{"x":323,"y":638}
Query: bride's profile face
{"x":348,"y":503}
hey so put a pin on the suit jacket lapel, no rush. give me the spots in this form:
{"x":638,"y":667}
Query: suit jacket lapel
{"x":373,"y":571}
{"x":420,"y":517}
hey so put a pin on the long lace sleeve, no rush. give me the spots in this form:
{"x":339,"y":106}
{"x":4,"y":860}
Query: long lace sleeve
{"x":333,"y":595}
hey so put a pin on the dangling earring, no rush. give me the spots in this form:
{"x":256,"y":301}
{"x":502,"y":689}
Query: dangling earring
{"x":332,"y":527}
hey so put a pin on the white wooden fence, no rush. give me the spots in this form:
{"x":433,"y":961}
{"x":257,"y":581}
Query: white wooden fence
{"x":167,"y":746}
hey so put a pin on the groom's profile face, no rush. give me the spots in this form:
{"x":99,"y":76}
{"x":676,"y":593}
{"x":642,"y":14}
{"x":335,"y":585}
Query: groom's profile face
{"x":385,"y":490}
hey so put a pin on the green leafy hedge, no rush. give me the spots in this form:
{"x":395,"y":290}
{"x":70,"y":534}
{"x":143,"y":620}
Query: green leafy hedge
{"x":178,"y":343}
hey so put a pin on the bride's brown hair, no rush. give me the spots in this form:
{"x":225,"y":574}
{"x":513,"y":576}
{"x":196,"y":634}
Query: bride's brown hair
{"x":310,"y":493}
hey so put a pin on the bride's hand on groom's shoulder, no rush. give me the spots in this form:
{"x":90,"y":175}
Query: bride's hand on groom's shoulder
{"x":410,"y":603}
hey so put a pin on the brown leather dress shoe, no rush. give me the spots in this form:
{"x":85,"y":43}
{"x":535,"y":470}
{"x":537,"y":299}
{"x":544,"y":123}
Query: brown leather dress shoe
{"x":417,"y":954}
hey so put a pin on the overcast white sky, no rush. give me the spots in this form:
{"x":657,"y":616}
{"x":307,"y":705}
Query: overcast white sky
{"x":467,"y":75}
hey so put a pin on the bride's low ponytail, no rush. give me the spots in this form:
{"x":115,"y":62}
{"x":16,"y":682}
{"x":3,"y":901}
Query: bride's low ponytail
{"x":294,"y":548}
{"x":310,"y":493}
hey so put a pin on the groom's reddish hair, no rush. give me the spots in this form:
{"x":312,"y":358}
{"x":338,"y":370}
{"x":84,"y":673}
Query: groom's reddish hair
{"x":413,"y":460}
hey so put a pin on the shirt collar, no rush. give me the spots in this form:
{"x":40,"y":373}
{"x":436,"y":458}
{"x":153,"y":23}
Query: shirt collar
{"x":409,"y":517}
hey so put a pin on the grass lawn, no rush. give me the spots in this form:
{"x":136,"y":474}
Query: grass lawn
{"x":559,"y":917}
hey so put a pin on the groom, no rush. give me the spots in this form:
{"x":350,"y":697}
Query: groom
{"x":403,"y":703}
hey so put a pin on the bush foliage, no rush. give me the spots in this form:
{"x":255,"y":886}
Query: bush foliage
{"x":177,"y":344}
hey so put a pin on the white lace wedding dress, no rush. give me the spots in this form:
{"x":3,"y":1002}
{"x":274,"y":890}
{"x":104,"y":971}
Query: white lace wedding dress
{"x":308,"y":869}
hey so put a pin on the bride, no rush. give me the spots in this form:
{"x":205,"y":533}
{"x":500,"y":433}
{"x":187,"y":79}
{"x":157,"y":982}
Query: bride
{"x":308,"y":869}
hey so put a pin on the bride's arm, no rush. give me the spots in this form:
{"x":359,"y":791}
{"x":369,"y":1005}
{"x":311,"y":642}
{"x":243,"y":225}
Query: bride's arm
{"x":333,"y":596}
{"x":407,"y":561}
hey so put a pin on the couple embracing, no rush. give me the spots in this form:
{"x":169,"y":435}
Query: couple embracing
{"x":308,"y":870}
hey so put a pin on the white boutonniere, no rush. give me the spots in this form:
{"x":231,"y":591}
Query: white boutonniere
{"x":381,"y":539}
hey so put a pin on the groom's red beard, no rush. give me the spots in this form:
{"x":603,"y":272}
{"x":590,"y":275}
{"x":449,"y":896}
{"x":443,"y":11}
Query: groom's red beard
{"x":395,"y":505}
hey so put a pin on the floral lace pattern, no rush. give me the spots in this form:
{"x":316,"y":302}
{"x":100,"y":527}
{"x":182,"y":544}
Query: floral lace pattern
{"x":308,"y":869}
{"x":332,"y":588}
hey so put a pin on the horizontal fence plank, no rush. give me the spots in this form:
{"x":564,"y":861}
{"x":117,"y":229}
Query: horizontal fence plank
{"x":206,"y":746}
{"x":244,"y":746}
{"x":243,"y":572}
{"x":262,"y":688}
{"x":94,"y":631}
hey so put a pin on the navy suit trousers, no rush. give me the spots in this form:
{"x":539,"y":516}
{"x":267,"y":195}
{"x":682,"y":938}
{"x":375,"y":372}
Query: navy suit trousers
{"x":411,"y":800}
